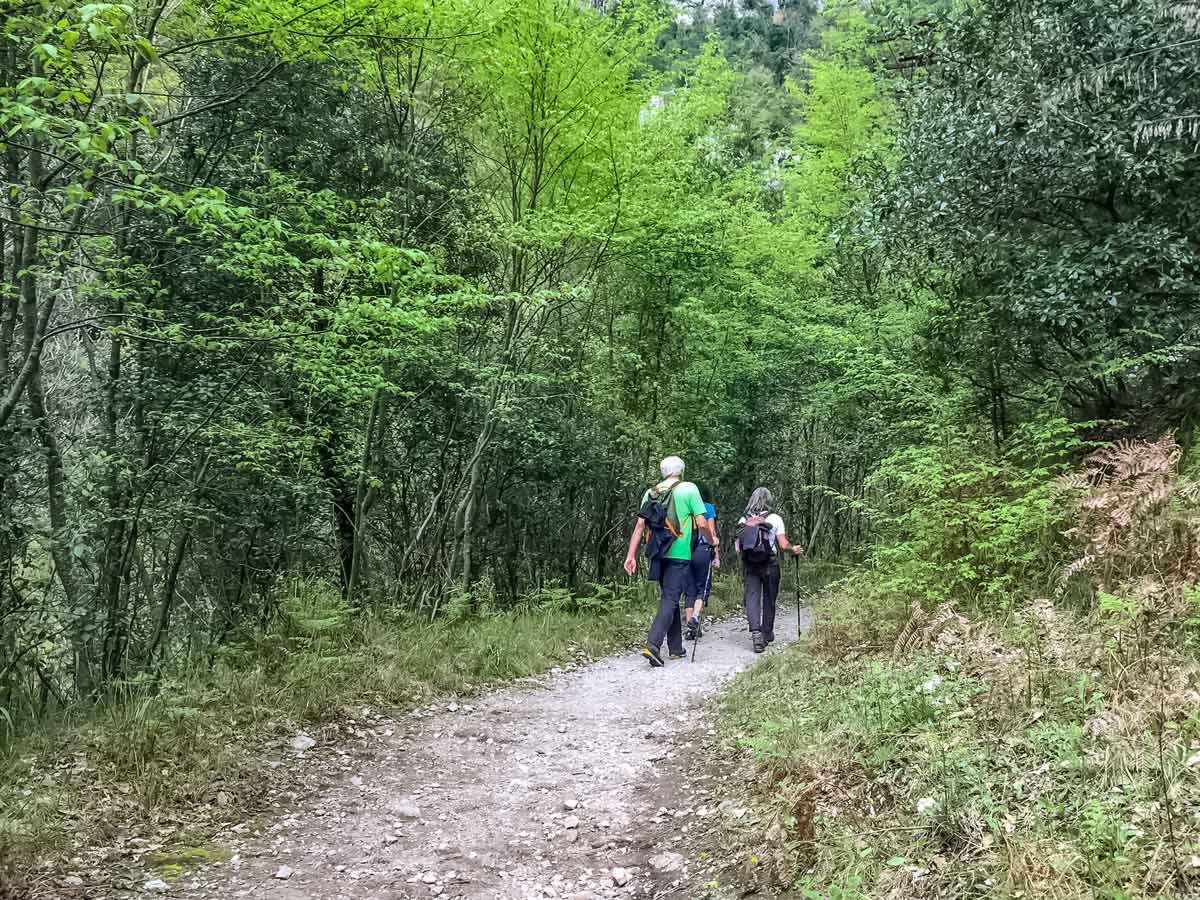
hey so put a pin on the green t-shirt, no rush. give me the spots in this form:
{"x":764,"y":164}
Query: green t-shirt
{"x":687,"y":502}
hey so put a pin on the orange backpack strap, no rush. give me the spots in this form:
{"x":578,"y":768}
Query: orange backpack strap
{"x":667,"y":502}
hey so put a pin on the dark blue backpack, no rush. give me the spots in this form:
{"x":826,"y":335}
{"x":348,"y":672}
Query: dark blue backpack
{"x":662,"y":527}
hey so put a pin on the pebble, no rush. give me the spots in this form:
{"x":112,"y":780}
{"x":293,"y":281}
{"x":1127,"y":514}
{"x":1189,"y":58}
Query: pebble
{"x":303,"y":742}
{"x":406,"y":809}
{"x":667,"y":862}
{"x":620,"y":877}
{"x":283,"y":873}
{"x":570,"y":803}
{"x":571,"y":822}
{"x":72,"y":881}
{"x":157,"y":885}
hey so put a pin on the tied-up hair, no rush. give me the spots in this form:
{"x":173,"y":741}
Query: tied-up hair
{"x":762,"y":501}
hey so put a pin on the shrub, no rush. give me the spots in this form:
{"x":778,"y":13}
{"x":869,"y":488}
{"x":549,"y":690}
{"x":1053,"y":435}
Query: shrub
{"x":969,"y":526}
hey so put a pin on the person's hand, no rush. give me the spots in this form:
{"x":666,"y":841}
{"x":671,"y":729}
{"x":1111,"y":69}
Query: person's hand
{"x":630,"y":565}
{"x":716,"y":562}
{"x":797,"y":549}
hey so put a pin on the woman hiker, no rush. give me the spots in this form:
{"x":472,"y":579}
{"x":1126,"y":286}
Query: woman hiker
{"x":761,"y":535}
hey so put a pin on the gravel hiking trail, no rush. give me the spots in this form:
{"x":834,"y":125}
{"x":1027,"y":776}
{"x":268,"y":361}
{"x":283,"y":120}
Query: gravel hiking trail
{"x":580,"y":785}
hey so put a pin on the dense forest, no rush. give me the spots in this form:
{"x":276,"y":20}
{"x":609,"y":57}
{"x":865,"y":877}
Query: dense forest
{"x":405,"y":301}
{"x":398,"y":304}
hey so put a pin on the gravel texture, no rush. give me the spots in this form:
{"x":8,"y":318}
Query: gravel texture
{"x":578,"y":786}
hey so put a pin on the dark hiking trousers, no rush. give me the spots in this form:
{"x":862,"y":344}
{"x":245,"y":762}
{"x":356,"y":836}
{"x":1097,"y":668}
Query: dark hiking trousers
{"x":676,"y":583}
{"x":762,"y":589}
{"x":701,"y":570}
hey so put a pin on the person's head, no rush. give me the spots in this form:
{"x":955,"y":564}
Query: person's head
{"x":671,"y":467}
{"x":762,"y":500}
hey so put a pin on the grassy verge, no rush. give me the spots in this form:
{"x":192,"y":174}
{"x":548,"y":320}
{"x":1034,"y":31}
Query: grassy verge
{"x":155,"y":769}
{"x":1047,"y":755}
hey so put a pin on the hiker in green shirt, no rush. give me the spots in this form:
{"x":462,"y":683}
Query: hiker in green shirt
{"x":672,"y":568}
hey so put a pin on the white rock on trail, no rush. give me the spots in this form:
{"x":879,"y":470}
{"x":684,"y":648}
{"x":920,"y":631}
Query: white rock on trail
{"x":406,"y":809}
{"x":667,"y":862}
{"x":620,"y":877}
{"x":283,"y":873}
{"x":156,"y":885}
{"x":302,"y":742}
{"x":72,"y":881}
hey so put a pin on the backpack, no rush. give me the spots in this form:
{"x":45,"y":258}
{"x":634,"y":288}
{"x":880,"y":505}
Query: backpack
{"x":754,"y":539}
{"x":662,"y":527}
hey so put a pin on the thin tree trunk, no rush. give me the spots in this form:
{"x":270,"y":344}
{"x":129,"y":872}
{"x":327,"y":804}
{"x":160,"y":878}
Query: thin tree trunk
{"x":364,"y":495}
{"x":167,"y":603}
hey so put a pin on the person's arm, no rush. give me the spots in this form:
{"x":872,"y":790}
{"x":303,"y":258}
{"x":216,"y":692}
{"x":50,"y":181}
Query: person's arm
{"x":695,"y":506}
{"x":631,"y":555}
{"x":785,"y":544}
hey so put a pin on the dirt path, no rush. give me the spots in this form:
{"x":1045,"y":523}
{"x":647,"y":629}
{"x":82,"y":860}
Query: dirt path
{"x":564,"y":790}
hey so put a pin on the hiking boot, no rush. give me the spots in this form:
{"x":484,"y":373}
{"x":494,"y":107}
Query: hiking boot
{"x":678,"y":654}
{"x":653,"y":656}
{"x":760,"y":643}
{"x":693,"y":629}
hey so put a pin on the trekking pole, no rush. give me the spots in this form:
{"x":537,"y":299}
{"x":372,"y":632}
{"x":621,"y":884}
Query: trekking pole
{"x":699,"y":627}
{"x":796,"y":575}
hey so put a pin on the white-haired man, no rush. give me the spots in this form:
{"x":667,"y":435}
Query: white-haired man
{"x":684,"y":518}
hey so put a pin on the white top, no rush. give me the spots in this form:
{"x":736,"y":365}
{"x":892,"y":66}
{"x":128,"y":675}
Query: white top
{"x":777,"y":528}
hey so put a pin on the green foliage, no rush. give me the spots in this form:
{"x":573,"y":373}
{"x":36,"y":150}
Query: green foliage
{"x":407,"y":300}
{"x":1044,"y":175}
{"x":973,"y":525}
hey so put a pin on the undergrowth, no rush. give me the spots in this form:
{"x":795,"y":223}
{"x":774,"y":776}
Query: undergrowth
{"x":162,"y":760}
{"x":971,"y":771}
{"x":1041,"y":746}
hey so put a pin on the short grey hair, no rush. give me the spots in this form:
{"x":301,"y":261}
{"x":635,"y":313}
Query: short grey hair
{"x":672,"y":465}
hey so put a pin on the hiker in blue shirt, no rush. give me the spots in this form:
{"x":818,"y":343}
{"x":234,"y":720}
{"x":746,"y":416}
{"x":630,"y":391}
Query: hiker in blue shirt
{"x":705,"y":558}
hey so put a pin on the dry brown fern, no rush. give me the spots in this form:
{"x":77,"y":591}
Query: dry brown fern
{"x":911,"y":632}
{"x":922,"y":630}
{"x":1134,"y":518}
